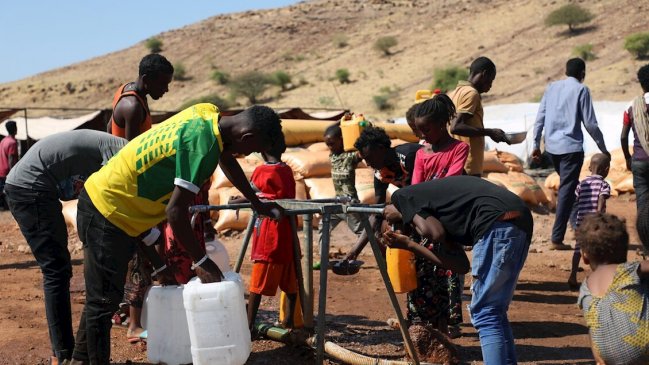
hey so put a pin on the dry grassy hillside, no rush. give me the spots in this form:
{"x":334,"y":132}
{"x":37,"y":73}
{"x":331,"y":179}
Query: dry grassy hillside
{"x":299,"y":40}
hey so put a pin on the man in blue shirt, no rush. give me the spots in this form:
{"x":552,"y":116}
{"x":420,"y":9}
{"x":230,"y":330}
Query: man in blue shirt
{"x":565,"y":105}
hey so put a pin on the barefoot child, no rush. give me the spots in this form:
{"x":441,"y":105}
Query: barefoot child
{"x":437,"y":300}
{"x":615,"y":296}
{"x":592,"y":193}
{"x":272,"y":245}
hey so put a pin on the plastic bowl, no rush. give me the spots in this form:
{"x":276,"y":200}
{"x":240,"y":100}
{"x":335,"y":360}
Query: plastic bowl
{"x":515,"y":138}
{"x":344,"y":267}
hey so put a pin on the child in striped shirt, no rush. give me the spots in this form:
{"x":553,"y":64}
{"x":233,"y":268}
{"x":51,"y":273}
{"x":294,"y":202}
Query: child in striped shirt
{"x":592,"y":193}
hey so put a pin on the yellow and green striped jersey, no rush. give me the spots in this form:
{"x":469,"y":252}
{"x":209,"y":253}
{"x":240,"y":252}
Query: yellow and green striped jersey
{"x":133,"y":189}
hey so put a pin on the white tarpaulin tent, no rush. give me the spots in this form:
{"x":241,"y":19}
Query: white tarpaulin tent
{"x":39,"y":128}
{"x":521,"y":117}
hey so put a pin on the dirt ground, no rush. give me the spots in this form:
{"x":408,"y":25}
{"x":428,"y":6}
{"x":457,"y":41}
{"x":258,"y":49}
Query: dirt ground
{"x":548,"y":326}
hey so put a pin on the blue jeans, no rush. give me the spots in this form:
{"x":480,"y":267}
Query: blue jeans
{"x":39,"y":217}
{"x":640,"y":170}
{"x":568,"y":167}
{"x":498,"y":258}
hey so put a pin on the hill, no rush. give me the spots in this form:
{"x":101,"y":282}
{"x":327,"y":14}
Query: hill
{"x":299,"y":40}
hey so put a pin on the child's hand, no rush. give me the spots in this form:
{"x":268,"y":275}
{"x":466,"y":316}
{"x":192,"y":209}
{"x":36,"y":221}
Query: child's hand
{"x":396,"y":240}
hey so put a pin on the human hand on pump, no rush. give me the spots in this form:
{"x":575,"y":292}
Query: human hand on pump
{"x":270,"y":209}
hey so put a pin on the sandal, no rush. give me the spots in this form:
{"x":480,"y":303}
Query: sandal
{"x":393,"y":323}
{"x":142,"y":337}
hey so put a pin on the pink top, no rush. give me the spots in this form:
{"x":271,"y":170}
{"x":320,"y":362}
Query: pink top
{"x":436,"y":165}
{"x":8,"y":147}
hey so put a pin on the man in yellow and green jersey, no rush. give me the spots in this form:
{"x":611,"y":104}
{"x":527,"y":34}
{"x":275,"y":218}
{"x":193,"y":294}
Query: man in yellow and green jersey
{"x":155,"y":177}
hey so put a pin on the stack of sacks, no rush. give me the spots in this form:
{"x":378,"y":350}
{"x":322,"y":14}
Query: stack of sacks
{"x":522,"y":185}
{"x":620,"y":179}
{"x":501,"y":161}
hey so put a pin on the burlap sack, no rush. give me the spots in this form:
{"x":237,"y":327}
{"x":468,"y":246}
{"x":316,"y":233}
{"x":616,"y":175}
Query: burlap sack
{"x":228,"y":218}
{"x":69,"y":211}
{"x":306,"y":164}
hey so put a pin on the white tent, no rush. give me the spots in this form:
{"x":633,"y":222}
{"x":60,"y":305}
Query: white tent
{"x":39,"y":128}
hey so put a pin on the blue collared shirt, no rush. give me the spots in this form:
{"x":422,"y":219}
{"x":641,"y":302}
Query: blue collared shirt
{"x":565,"y":105}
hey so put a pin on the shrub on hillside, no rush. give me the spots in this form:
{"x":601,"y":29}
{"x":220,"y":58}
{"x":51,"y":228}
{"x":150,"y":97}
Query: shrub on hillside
{"x":446,"y":78}
{"x":154,"y":45}
{"x":637,"y":44}
{"x":222,"y":103}
{"x":342,"y":74}
{"x":384,"y":44}
{"x":220,"y":77}
{"x":584,"y":51}
{"x":570,"y":15}
{"x":340,"y":40}
{"x":281,"y":79}
{"x":180,"y":73}
{"x":383,"y":101}
{"x":250,"y":84}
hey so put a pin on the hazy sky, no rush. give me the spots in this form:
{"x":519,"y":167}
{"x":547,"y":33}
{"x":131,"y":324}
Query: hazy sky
{"x":39,"y":35}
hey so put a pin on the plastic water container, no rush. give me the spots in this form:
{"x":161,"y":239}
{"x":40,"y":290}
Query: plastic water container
{"x":166,"y":323}
{"x":351,"y":128}
{"x":298,"y":321}
{"x":401,"y":269}
{"x":217,"y":321}
{"x":217,"y":253}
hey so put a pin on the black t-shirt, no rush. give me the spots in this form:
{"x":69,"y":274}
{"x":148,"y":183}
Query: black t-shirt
{"x":466,"y":206}
{"x":406,"y":154}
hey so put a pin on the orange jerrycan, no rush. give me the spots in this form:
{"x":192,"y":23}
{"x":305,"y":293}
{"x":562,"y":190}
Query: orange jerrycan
{"x":351,"y":127}
{"x":401,"y":269}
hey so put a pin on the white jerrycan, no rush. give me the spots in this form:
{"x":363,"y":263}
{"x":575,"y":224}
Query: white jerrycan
{"x":166,"y":323}
{"x":217,"y":253}
{"x":217,"y":321}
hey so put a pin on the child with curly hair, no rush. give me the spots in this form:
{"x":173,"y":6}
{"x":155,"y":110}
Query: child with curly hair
{"x":615,"y":297}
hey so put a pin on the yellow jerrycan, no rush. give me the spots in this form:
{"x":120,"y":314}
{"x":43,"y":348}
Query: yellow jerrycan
{"x":298,"y":321}
{"x":401,"y":269}
{"x":351,"y":127}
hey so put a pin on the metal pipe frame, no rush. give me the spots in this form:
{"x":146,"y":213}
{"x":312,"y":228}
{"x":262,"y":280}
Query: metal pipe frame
{"x":326,"y":207}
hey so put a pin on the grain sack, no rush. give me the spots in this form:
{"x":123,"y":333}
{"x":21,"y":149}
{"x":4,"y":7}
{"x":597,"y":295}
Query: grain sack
{"x":307,"y":164}
{"x":624,"y":185}
{"x":492,"y":163}
{"x":298,"y":132}
{"x":365,"y":185}
{"x":550,"y":197}
{"x":510,"y":159}
{"x":552,"y":181}
{"x":318,"y":147}
{"x":228,"y":218}
{"x":248,"y":165}
{"x":213,"y":198}
{"x":69,"y":211}
{"x":497,"y":183}
{"x":519,"y":184}
{"x":517,"y":167}
{"x":320,"y":188}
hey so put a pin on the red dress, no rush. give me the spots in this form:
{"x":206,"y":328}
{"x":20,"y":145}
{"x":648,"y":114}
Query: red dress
{"x":273,"y":240}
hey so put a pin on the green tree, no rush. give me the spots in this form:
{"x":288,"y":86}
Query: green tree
{"x":342,"y":74}
{"x":222,"y":103}
{"x":446,"y":78}
{"x":220,"y":77}
{"x":154,"y":45}
{"x":180,"y":73}
{"x":584,"y":51}
{"x":637,"y":44}
{"x":384,"y":44}
{"x":250,"y":84}
{"x":570,"y":15}
{"x":281,"y":79}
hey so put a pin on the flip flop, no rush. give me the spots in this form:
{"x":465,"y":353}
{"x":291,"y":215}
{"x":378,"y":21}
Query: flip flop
{"x":142,"y":337}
